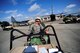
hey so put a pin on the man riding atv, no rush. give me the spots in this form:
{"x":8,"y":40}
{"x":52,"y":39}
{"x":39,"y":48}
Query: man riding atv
{"x":37,"y":27}
{"x":38,"y":41}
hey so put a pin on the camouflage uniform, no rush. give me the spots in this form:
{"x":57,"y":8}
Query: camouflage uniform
{"x":36,"y":29}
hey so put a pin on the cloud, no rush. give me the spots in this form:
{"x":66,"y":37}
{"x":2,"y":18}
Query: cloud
{"x":9,"y":17}
{"x":19,"y":15}
{"x":30,"y":1}
{"x":38,"y":9}
{"x":41,"y":11}
{"x":14,"y":2}
{"x":46,"y":13}
{"x":67,"y":10}
{"x":71,"y":6}
{"x":11,"y":11}
{"x":15,"y":14}
{"x":58,"y":11}
{"x":34,"y":7}
{"x":6,"y":19}
{"x":26,"y":17}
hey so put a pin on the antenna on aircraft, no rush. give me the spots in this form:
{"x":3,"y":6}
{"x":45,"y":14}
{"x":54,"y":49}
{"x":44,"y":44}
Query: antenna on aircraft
{"x":52,"y":7}
{"x":52,"y":15}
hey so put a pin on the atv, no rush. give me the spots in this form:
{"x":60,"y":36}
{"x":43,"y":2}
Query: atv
{"x":36,"y":44}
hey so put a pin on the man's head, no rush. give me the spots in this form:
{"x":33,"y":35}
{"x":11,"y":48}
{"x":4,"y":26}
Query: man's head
{"x":38,"y":18}
{"x":37,"y":21}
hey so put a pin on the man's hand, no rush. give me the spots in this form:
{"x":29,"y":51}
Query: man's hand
{"x":46,"y":31}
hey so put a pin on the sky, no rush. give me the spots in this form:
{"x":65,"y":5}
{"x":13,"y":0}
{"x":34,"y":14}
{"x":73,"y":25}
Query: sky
{"x":28,"y":9}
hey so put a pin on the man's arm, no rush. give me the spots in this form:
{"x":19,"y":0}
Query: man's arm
{"x":31,"y":28}
{"x":43,"y":25}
